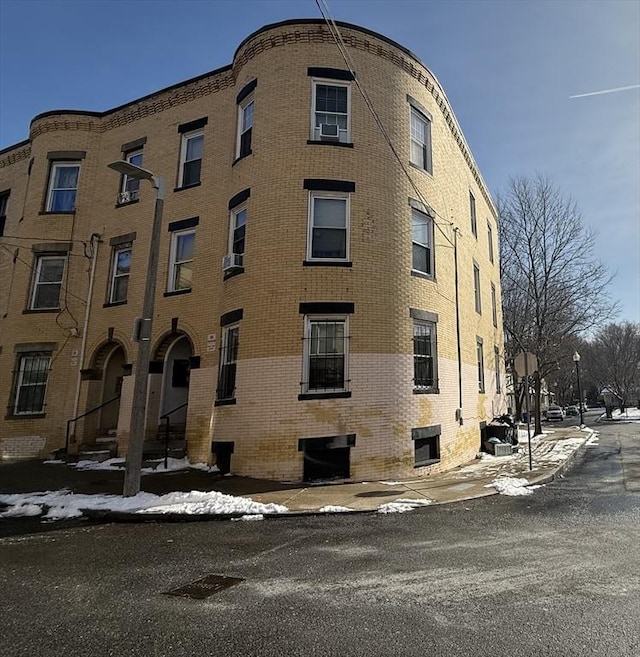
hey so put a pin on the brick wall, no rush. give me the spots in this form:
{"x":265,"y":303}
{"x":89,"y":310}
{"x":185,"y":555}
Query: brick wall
{"x":268,"y":419}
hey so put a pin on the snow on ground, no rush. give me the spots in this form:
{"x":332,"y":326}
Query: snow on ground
{"x":511,"y":486}
{"x":173,"y":465}
{"x":331,"y":508}
{"x":64,"y":504}
{"x":401,"y":505}
{"x":631,"y":414}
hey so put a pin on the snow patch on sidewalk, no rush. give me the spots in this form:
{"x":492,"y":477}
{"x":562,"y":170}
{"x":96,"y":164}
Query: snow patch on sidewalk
{"x":511,"y":486}
{"x":401,"y":505}
{"x":64,"y":504}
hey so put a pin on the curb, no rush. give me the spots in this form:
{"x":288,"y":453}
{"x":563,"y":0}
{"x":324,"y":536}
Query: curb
{"x":105,"y":516}
{"x":563,"y":467}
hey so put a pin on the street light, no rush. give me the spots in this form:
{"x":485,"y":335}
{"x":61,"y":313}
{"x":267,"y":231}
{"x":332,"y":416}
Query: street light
{"x":133,"y":465}
{"x":576,"y":360}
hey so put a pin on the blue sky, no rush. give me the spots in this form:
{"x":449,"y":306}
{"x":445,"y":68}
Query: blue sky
{"x":508,"y":68}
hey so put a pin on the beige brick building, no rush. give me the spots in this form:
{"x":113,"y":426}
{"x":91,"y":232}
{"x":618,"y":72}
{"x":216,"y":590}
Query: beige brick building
{"x":323,"y":308}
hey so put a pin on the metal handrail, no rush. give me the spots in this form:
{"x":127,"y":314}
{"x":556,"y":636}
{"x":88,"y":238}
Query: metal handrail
{"x":165,"y":417}
{"x":79,"y":417}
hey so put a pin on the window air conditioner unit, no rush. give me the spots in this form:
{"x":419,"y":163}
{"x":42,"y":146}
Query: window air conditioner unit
{"x":127,"y":197}
{"x":502,"y":449}
{"x":329,"y":132}
{"x":231,"y":261}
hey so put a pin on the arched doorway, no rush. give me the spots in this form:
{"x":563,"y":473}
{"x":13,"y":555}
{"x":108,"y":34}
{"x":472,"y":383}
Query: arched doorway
{"x":175,"y":382}
{"x":113,"y":372}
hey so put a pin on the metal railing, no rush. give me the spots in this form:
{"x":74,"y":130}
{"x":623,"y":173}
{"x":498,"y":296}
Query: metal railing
{"x":167,"y":431}
{"x":79,"y":417}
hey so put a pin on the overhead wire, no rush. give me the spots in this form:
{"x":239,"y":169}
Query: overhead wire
{"x":15,"y":257}
{"x":337,"y":37}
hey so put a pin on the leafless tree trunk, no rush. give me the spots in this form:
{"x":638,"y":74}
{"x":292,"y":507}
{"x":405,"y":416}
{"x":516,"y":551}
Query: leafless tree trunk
{"x":553,"y":287}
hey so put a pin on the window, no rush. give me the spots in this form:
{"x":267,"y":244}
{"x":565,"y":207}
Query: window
{"x":426,"y":442}
{"x":237,"y":230}
{"x":476,"y":288}
{"x":47,"y":282}
{"x":31,"y":384}
{"x":497,"y":365}
{"x":245,"y":128}
{"x":181,"y":264}
{"x":472,"y":210}
{"x":490,"y":241}
{"x":131,"y":186}
{"x":228,"y":361}
{"x":325,"y":355}
{"x":420,"y":140}
{"x":422,"y":236}
{"x":190,"y":159}
{"x":328,"y":227}
{"x":4,"y":202}
{"x":494,"y":305}
{"x":330,"y":108}
{"x":480,"y":359}
{"x":120,"y":269}
{"x":424,"y":356}
{"x":63,"y":185}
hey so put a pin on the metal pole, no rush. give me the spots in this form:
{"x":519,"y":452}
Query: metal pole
{"x":526,"y":402}
{"x":579,"y":392}
{"x":458,"y":341}
{"x":133,"y":465}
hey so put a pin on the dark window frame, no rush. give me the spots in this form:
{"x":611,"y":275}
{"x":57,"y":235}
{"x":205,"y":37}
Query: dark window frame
{"x":426,"y":442}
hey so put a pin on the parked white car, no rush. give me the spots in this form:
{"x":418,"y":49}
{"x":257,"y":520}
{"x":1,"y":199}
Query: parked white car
{"x":554,"y":413}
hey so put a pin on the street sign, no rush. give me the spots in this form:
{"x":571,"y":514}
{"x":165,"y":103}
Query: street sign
{"x":519,"y":365}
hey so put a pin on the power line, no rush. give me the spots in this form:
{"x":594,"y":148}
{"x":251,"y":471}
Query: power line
{"x":15,"y":257}
{"x":337,"y":37}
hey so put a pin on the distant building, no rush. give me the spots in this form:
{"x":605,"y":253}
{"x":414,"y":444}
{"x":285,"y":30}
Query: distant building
{"x":306,"y":316}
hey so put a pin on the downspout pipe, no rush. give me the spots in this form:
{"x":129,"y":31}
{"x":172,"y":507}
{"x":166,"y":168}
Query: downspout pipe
{"x":458,"y":341}
{"x":94,"y":241}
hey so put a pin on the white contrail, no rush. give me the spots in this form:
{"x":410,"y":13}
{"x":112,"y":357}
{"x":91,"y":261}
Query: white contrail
{"x":607,"y":91}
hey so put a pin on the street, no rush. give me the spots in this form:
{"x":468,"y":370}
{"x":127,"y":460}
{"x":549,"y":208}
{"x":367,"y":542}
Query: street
{"x":552,"y":573}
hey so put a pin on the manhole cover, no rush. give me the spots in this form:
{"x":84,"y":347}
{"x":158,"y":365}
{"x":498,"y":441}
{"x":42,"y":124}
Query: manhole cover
{"x":203,"y":588}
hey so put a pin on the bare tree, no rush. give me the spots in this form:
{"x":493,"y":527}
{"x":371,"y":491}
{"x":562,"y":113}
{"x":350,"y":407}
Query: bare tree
{"x":553,"y":287}
{"x":614,"y":359}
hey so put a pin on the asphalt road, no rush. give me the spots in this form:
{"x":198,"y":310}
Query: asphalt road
{"x":555,"y":573}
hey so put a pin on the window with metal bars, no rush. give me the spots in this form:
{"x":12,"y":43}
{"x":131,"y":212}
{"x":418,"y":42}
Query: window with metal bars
{"x":228,"y":362}
{"x":31,"y":384}
{"x":424,"y":356}
{"x":325,"y":355}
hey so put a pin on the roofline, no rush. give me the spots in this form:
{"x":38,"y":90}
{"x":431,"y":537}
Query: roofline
{"x":321,"y":21}
{"x":197,"y":78}
{"x":222,"y":69}
{"x":228,"y":67}
{"x":13,"y":147}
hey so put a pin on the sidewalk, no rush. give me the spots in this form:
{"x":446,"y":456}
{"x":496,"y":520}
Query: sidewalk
{"x":551,"y":455}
